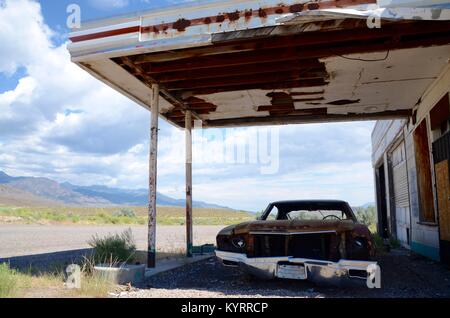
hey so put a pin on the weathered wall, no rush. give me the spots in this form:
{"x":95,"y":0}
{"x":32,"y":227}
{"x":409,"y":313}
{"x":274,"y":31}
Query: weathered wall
{"x":383,"y":136}
{"x":424,"y":236}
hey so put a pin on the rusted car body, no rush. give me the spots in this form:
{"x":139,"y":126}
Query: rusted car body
{"x":319,"y":241}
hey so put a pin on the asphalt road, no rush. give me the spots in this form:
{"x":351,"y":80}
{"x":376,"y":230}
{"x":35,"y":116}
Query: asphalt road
{"x":21,"y":240}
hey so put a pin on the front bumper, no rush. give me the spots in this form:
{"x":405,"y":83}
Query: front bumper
{"x":342,"y":273}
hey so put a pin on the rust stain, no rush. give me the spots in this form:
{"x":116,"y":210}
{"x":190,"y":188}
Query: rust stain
{"x":220,"y":18}
{"x":248,"y":14}
{"x":296,"y":8}
{"x":233,"y":16}
{"x":181,"y":25}
{"x":262,"y":13}
{"x":313,"y":6}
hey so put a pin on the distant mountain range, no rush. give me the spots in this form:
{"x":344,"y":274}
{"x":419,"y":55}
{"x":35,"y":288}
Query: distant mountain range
{"x":43,"y":191}
{"x":368,"y":205}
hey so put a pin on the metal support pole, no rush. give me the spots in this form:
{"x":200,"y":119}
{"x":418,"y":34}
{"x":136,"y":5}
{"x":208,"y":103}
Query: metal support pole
{"x":151,"y":252}
{"x":188,"y":129}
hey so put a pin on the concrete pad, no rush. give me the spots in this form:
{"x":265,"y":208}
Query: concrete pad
{"x":169,"y":264}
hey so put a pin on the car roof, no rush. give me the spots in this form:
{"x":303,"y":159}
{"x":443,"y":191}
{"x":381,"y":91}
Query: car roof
{"x":289,"y":202}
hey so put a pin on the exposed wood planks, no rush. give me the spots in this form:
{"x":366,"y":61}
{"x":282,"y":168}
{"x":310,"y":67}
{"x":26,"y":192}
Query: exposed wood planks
{"x":251,"y":69}
{"x":137,"y":71}
{"x":443,"y":192}
{"x":355,"y":31}
{"x":222,"y":82}
{"x":273,"y":62}
{"x":292,"y":119}
{"x":296,"y":53}
{"x":424,"y":178}
{"x":268,"y":86}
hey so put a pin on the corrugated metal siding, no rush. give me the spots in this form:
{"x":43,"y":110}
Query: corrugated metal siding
{"x":400,"y":177}
{"x":401,"y":194}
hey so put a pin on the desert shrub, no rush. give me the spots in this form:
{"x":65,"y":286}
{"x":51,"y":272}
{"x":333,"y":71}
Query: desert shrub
{"x":367,"y":216}
{"x":378,"y":242}
{"x":394,"y":243}
{"x":113,"y":248}
{"x":8,"y":281}
{"x":125,"y":212}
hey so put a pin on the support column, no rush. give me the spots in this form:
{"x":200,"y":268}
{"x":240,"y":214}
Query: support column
{"x":151,"y":252}
{"x":188,"y":130}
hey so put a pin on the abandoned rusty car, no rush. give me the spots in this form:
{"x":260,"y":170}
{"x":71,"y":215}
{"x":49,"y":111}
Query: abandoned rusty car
{"x":320,"y":241}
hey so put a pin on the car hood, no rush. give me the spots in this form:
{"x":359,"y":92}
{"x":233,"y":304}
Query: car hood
{"x":287,"y":226}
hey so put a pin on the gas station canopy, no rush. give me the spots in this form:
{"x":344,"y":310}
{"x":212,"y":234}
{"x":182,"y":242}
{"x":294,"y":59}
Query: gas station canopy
{"x":243,"y":63}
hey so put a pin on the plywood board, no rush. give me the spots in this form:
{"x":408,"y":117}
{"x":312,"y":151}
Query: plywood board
{"x":443,"y":190}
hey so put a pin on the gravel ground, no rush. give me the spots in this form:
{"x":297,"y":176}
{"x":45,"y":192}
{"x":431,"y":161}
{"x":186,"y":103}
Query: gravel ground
{"x":21,"y":240}
{"x":403,"y":275}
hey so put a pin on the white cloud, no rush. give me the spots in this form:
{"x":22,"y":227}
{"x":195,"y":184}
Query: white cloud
{"x":24,"y":35}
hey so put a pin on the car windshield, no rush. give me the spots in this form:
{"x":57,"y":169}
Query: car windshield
{"x":308,"y":211}
{"x":316,"y":215}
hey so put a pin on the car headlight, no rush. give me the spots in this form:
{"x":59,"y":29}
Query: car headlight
{"x":238,"y":242}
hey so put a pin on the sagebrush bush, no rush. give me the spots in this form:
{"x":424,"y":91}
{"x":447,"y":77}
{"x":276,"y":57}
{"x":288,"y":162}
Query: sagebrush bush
{"x":114,"y":248}
{"x":125,"y":212}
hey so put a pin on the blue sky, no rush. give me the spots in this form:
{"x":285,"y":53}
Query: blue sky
{"x":57,"y":121}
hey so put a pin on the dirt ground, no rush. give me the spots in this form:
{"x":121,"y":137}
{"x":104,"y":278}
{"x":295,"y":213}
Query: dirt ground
{"x":403,"y":275}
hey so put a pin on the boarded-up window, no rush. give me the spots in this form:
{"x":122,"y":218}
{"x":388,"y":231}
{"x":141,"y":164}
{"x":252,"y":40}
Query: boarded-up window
{"x":424,"y":178}
{"x":440,"y":114}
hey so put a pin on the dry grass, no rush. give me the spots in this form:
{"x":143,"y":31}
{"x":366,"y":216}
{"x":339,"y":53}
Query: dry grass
{"x":110,"y":215}
{"x":14,"y":284}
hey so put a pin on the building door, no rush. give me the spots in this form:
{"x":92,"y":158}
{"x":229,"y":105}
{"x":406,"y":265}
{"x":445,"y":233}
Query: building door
{"x":441,"y":154}
{"x":383,"y":229}
{"x":400,"y":197}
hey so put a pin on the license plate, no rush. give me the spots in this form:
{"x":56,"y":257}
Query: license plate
{"x":292,"y":272}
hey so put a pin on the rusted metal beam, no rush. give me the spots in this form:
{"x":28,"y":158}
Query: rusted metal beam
{"x":189,"y":226}
{"x":303,"y":119}
{"x":151,"y":251}
{"x":222,"y":82}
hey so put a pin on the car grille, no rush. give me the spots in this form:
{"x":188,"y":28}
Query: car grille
{"x":319,"y":246}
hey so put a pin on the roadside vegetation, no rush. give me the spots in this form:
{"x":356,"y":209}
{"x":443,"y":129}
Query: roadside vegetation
{"x":118,"y":215}
{"x":368,"y":217}
{"x":32,"y":284}
{"x":112,"y":249}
